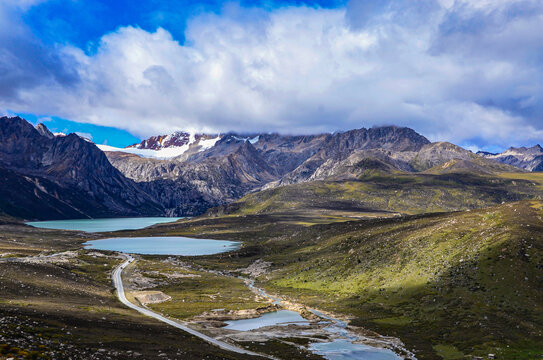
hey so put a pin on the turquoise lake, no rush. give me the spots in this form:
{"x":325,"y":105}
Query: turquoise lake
{"x":103,"y":225}
{"x":281,"y":317}
{"x":164,"y":245}
{"x":342,"y":349}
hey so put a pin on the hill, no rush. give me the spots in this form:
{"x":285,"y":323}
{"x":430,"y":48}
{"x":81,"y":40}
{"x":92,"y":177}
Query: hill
{"x":391,"y":192}
{"x":465,"y":283}
{"x":456,"y":285}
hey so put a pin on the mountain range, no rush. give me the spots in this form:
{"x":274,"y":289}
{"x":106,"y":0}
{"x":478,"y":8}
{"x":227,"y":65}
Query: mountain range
{"x":50,"y":177}
{"x":530,"y":159}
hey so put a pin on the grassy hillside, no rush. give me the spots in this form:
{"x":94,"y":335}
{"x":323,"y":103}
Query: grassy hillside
{"x":406,"y":193}
{"x":450,"y":285}
{"x":462,"y":283}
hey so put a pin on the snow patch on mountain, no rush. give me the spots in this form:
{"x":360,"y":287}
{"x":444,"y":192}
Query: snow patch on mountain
{"x":253,"y":140}
{"x":208,"y":143}
{"x":164,"y":153}
{"x":167,"y":152}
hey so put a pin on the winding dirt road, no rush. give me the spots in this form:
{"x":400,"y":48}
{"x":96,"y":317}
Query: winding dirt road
{"x":117,"y":282}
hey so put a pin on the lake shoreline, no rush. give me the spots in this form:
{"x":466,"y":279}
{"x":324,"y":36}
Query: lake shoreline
{"x":103,"y":224}
{"x":325,"y":331}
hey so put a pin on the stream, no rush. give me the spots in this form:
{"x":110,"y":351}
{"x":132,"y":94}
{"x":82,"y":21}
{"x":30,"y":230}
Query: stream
{"x":346,"y":345}
{"x":342,"y":343}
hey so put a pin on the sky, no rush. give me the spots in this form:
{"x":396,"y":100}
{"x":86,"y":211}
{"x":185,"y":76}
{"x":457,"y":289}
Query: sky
{"x":465,"y":71}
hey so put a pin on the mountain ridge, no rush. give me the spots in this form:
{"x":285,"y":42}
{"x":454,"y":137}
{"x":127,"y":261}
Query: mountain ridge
{"x":223,"y":171}
{"x":528,"y":158}
{"x":65,"y":174}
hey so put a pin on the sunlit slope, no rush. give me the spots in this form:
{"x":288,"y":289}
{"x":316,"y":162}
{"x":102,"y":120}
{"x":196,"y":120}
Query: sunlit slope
{"x":468,"y":283}
{"x":395,"y":192}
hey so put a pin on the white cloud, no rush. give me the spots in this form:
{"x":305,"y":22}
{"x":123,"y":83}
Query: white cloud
{"x":471,"y":121}
{"x":22,"y":4}
{"x":85,"y":135}
{"x":445,"y":69}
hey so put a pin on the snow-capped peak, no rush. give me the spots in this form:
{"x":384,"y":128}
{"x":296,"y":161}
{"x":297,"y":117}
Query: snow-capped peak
{"x":168,"y":146}
{"x":252,"y":140}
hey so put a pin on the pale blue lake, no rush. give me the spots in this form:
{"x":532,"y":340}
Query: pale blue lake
{"x":343,"y":349}
{"x":281,"y":317}
{"x":337,"y":349}
{"x":103,"y":225}
{"x":164,"y":245}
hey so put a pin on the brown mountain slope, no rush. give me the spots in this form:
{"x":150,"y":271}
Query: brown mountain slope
{"x":63,"y":177}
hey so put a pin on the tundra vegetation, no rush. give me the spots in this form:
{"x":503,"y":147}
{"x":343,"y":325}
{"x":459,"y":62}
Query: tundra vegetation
{"x":450,"y":285}
{"x":448,"y":259}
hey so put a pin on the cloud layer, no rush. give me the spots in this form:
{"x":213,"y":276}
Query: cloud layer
{"x":468,"y":71}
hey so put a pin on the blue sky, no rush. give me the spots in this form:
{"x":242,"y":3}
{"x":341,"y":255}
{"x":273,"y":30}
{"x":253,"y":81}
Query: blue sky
{"x":99,"y":134}
{"x":83,"y":23}
{"x":465,"y":71}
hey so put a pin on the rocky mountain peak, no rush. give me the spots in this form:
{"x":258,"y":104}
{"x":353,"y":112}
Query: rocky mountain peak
{"x":21,"y":145}
{"x":13,"y":126}
{"x":485,"y":153}
{"x":530,"y":159}
{"x":44,"y":131}
{"x":385,"y":137}
{"x":67,"y":172}
{"x":397,"y":138}
{"x":176,"y":139}
{"x":161,"y":141}
{"x":536,"y":149}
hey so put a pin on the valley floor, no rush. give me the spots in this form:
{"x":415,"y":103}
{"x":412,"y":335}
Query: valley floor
{"x":450,"y":285}
{"x":64,"y":307}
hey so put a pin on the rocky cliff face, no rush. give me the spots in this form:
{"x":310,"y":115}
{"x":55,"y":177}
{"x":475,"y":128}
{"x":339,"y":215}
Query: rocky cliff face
{"x":286,"y":153}
{"x":67,"y":175}
{"x":338,"y":147}
{"x":530,"y":159}
{"x":226,"y":172}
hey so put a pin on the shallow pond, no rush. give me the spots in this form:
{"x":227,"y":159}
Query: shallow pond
{"x":164,"y":245}
{"x":102,"y":225}
{"x":281,"y":317}
{"x":345,"y":344}
{"x":343,"y":349}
